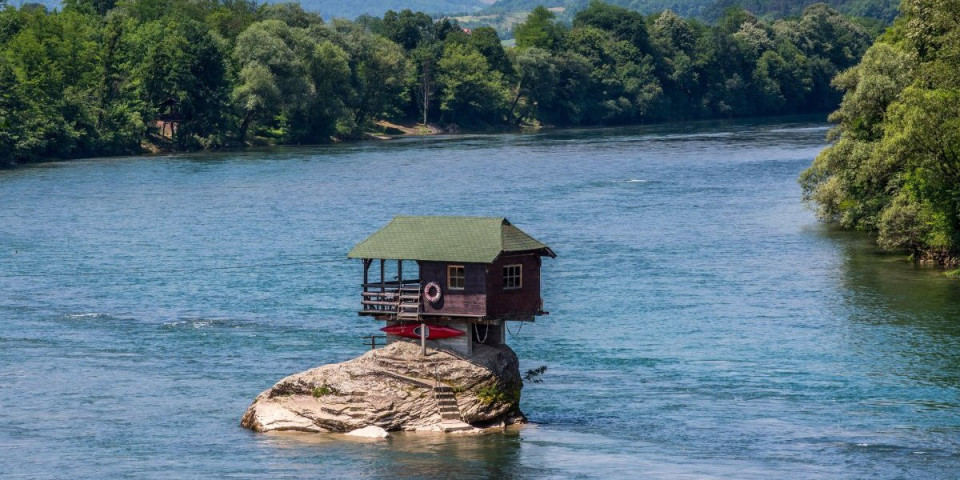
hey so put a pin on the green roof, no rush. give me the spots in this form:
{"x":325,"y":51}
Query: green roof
{"x":447,"y":239}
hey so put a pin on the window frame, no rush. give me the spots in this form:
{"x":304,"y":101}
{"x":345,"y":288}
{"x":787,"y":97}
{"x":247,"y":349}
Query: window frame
{"x":518,"y":276}
{"x":450,"y":277}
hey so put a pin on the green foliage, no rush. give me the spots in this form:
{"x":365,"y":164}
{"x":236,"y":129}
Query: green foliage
{"x":473,"y":93}
{"x":533,"y":375}
{"x":536,"y":80}
{"x":710,"y":10}
{"x":486,"y":41}
{"x":492,"y":394}
{"x":275,"y":85}
{"x":895,"y":166}
{"x":540,"y":30}
{"x":884,"y":10}
{"x":623,"y":24}
{"x":323,"y":391}
{"x":408,"y":29}
{"x":184,"y":75}
{"x":109,"y":77}
{"x":347,"y":9}
{"x":54,"y":103}
{"x":379,"y":77}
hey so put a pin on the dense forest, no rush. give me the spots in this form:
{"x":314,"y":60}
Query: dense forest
{"x":350,"y":9}
{"x":894,"y":168}
{"x":876,"y":13}
{"x":103,"y":77}
{"x":706,"y":10}
{"x":884,"y":10}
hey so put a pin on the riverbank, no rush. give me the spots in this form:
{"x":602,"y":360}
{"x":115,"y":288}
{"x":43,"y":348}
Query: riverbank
{"x":164,"y":144}
{"x":394,"y":129}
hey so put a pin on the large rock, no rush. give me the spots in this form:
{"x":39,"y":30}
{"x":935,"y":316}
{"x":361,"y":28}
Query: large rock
{"x":371,"y":431}
{"x":394,"y":388}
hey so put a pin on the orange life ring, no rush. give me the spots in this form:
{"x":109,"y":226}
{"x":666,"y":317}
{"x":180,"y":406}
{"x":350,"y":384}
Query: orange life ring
{"x":435,"y":288}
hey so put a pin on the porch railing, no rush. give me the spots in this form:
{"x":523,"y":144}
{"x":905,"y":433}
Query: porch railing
{"x":400,"y":300}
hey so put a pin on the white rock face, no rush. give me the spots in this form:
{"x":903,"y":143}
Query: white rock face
{"x":393,"y":388}
{"x":372,"y":431}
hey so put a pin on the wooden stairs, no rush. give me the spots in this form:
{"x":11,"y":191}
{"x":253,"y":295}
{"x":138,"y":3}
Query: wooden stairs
{"x":408,"y":307}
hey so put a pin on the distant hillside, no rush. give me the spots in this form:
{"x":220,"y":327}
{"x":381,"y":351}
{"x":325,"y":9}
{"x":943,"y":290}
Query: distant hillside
{"x":502,"y":14}
{"x":50,"y":4}
{"x":883,"y":10}
{"x":354,"y":8}
{"x":349,"y":9}
{"x":684,"y":8}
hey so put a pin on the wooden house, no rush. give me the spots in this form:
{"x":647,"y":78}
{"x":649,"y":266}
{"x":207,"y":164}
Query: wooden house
{"x":469,"y":274}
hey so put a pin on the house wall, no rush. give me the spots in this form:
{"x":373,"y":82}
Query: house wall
{"x":472,"y":300}
{"x":490,"y":334}
{"x":520,"y":303}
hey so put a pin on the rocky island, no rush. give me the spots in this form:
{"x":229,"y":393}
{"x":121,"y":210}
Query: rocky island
{"x":472,"y":276}
{"x":396,"y":388}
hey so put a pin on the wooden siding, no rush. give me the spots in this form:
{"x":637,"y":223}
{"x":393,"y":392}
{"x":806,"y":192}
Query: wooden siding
{"x":472,"y":300}
{"x":522,"y":303}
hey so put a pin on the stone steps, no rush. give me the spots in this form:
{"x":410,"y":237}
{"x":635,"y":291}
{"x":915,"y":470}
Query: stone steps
{"x":421,"y":383}
{"x":450,"y":419}
{"x":453,"y":427}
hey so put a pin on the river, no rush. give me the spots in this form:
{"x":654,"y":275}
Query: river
{"x":702,"y":323}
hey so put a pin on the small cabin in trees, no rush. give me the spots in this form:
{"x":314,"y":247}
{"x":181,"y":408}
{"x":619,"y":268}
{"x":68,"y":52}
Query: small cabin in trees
{"x":462,"y":276}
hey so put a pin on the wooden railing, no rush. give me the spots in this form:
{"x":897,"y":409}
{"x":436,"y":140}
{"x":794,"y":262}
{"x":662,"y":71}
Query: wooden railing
{"x":400,"y":300}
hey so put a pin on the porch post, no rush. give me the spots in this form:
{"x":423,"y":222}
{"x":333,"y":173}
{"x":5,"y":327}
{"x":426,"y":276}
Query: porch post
{"x":383,"y":280}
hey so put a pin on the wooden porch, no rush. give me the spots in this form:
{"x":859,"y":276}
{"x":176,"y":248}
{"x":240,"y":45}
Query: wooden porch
{"x":395,"y":300}
{"x":399,"y":299}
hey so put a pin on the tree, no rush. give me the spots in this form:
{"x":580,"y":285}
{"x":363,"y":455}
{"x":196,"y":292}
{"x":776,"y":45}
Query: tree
{"x":424,"y":59}
{"x":184,"y":71}
{"x":486,"y":41}
{"x":573,"y":99}
{"x":379,"y":77}
{"x":329,"y":68}
{"x":536,"y":81}
{"x":257,"y":95}
{"x":673,"y":34}
{"x":539,"y":30}
{"x":51,"y":64}
{"x":409,"y":29}
{"x":473,"y":94}
{"x":95,"y":7}
{"x":628,"y":88}
{"x":624,"y":24}
{"x":824,"y":32}
{"x":292,"y":14}
{"x":275,"y":85}
{"x":922,"y":138}
{"x":894,"y":168}
{"x":122,"y":113}
{"x":11,"y":111}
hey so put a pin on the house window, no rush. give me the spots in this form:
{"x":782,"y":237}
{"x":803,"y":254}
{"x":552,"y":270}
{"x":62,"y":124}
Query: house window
{"x":512,"y":276}
{"x":456,"y":278}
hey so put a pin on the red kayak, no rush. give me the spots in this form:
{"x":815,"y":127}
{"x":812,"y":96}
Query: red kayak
{"x":412,"y":330}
